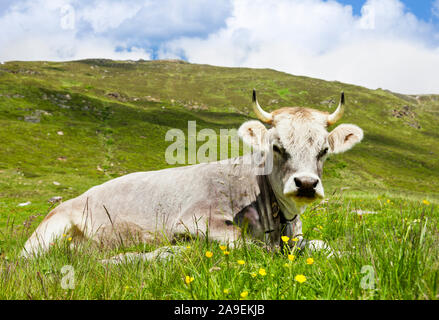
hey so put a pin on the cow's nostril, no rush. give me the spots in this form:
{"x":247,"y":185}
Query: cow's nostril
{"x":307,"y":184}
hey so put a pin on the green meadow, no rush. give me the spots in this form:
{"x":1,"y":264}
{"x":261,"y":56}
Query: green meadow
{"x":68,"y":126}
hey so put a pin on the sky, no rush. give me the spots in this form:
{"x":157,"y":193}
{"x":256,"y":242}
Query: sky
{"x":389,"y":44}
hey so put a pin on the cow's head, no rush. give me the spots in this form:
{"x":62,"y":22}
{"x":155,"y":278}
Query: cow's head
{"x":299,"y":143}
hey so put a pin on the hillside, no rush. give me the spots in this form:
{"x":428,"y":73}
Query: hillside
{"x":66,"y":126}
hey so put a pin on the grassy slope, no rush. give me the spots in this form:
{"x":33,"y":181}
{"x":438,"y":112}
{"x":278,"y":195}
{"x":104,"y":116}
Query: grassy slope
{"x":105,"y":137}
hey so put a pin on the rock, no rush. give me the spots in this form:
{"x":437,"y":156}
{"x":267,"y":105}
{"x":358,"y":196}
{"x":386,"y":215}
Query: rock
{"x":41,"y":113}
{"x":60,"y":133}
{"x":329,"y":102}
{"x":114,"y":95}
{"x":24,"y":204}
{"x":55,"y":199}
{"x":32,"y":119}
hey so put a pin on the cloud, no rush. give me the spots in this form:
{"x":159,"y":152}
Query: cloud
{"x":435,"y":8}
{"x":385,"y":47}
{"x":115,"y":29}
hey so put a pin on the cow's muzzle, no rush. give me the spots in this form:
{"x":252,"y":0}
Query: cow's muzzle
{"x":304,"y":188}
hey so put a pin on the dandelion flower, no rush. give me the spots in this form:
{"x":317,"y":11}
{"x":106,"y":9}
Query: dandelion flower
{"x":226,"y":253}
{"x":70,"y":239}
{"x":223,"y":248}
{"x":309,"y":261}
{"x":253,"y":275}
{"x":426,"y":202}
{"x":226,"y":291}
{"x":262,"y":272}
{"x":64,"y":235}
{"x":285,"y":238}
{"x":244,"y":294}
{"x":188,"y":279}
{"x":291,"y":257}
{"x":209,"y":254}
{"x":188,"y":247}
{"x":300,"y":278}
{"x":241,"y":262}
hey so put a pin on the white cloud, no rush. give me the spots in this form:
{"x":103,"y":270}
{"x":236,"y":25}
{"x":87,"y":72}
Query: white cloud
{"x":115,"y":29}
{"x":435,"y":8}
{"x":385,"y":47}
{"x":37,"y":30}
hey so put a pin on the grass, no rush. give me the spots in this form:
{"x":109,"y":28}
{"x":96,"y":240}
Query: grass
{"x":399,"y":245}
{"x":113,"y":116}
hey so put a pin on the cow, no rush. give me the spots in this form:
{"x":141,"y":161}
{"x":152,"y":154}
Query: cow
{"x":219,"y":200}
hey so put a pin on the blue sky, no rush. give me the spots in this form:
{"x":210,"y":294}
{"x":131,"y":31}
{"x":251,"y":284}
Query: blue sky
{"x":391,"y":44}
{"x":421,"y":8}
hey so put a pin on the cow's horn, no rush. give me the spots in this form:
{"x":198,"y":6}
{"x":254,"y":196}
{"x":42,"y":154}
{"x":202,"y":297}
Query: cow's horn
{"x":262,"y":115}
{"x":334,"y":117}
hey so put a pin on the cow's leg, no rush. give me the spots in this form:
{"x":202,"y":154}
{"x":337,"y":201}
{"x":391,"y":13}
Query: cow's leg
{"x":294,"y":231}
{"x":225,"y":231}
{"x":162,"y":254}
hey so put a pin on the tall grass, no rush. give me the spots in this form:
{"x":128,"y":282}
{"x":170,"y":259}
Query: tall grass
{"x":396,"y":247}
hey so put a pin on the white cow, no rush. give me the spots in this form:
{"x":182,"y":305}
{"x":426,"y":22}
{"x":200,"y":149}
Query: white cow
{"x":214,"y":199}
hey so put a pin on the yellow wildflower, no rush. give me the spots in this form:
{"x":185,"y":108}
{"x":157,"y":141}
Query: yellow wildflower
{"x":64,"y":235}
{"x":295,"y":239}
{"x":285,"y":238}
{"x":241,"y":262}
{"x":291,"y":257}
{"x":188,"y":247}
{"x":309,"y":261}
{"x":253,"y":275}
{"x":300,"y":278}
{"x":262,"y":272}
{"x":244,"y":294}
{"x":426,"y":202}
{"x":70,"y":239}
{"x":188,"y":279}
{"x":223,"y":248}
{"x":226,"y":291}
{"x":226,"y":253}
{"x":209,"y":254}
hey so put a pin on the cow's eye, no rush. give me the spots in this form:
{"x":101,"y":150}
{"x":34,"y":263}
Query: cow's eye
{"x":323,"y":153}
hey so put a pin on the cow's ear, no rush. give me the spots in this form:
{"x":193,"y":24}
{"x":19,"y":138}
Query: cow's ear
{"x":254,"y":134}
{"x":344,"y":137}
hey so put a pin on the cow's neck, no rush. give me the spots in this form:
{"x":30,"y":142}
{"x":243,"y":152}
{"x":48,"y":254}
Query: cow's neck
{"x":287,"y":206}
